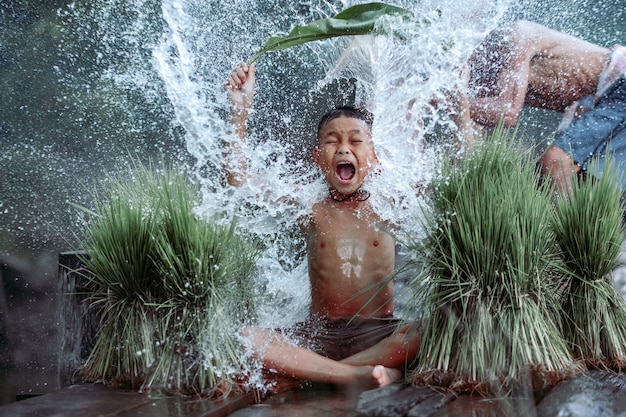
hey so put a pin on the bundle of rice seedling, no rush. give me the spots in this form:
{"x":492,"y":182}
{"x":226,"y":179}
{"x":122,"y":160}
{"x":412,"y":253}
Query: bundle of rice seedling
{"x":206,"y":295}
{"x":488,"y":262}
{"x":120,"y":244}
{"x":174,"y":288}
{"x":588,"y":229}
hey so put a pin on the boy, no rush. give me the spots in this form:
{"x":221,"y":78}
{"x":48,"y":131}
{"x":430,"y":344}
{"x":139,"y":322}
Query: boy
{"x":351,"y":337}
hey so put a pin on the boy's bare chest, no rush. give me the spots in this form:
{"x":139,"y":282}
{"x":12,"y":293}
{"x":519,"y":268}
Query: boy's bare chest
{"x":348,"y":235}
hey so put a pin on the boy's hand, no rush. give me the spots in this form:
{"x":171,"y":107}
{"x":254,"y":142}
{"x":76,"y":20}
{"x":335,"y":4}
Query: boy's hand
{"x":240,"y":86}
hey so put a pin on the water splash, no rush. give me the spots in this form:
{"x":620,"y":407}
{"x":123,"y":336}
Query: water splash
{"x":397,"y":77}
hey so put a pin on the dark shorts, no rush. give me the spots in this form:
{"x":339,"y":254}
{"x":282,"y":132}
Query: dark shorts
{"x":339,"y":338}
{"x":600,"y":131}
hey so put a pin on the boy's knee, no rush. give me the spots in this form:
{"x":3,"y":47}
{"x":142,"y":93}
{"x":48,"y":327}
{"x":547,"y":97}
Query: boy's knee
{"x":409,"y":336}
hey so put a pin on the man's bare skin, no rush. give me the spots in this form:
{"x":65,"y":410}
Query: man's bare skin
{"x":530,"y":64}
{"x":349,"y":257}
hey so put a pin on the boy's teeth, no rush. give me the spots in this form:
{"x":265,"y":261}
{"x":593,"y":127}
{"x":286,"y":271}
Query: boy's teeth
{"x":345,"y":171}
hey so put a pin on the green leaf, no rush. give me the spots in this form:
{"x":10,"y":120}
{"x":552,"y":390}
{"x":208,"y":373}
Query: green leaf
{"x":356,"y":20}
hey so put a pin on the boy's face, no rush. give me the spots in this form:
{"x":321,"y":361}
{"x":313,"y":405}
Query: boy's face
{"x":345,"y":153}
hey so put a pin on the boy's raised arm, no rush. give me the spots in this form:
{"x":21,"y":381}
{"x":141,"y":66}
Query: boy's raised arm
{"x":240,"y":89}
{"x":460,"y":108}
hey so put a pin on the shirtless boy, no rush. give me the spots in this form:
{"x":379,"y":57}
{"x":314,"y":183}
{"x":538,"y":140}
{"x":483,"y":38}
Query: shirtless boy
{"x":530,"y":64}
{"x":350,"y":337}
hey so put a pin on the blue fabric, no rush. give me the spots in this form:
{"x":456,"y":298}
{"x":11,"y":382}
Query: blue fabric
{"x":600,"y":131}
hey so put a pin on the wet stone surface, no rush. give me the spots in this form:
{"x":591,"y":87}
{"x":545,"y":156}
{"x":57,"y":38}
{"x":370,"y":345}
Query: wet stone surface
{"x":398,"y":401}
{"x":318,"y":401}
{"x":593,"y":394}
{"x":597,"y":393}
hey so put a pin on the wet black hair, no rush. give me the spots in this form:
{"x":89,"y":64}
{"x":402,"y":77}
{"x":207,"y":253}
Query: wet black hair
{"x":360,"y":113}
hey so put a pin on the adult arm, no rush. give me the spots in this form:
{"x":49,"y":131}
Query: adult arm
{"x":506,"y":99}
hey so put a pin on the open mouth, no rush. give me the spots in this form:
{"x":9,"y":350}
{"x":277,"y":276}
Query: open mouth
{"x":345,"y":171}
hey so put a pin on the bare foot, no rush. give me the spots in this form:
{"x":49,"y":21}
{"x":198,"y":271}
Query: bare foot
{"x":385,"y":376}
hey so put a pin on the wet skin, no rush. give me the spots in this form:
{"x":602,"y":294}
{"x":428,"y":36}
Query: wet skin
{"x":347,"y":250}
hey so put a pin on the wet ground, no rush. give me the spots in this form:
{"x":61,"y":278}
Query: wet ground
{"x":98,"y":400}
{"x":593,"y":394}
{"x":318,"y":402}
{"x":400,"y":402}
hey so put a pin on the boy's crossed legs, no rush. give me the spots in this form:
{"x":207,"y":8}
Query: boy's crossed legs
{"x":376,"y":366}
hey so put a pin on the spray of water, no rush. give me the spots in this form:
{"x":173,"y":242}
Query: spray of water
{"x":401,"y":78}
